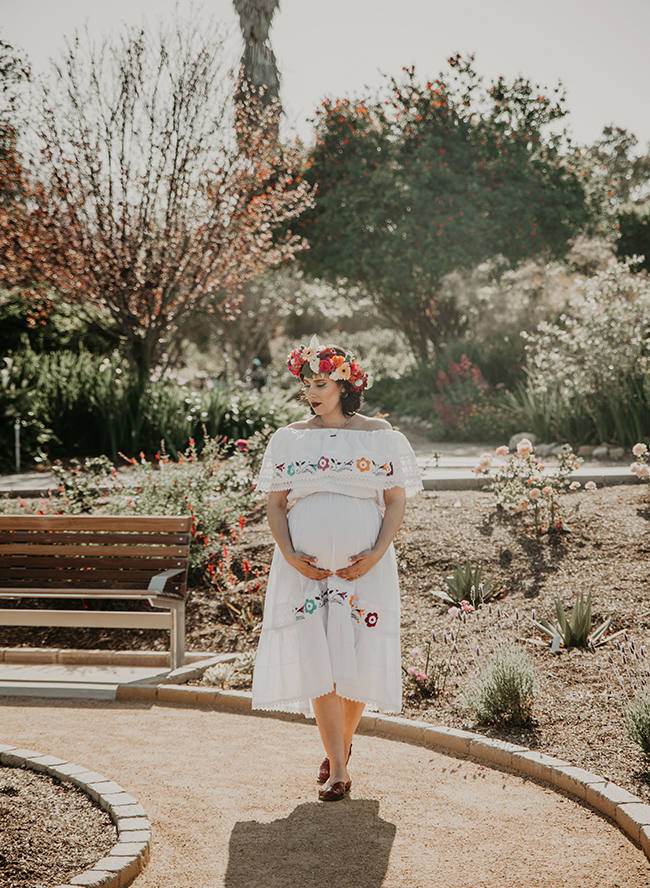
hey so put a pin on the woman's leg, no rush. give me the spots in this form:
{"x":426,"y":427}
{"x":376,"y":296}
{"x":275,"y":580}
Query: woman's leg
{"x":337,"y":719}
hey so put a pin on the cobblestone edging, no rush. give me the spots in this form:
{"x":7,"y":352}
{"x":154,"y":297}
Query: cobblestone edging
{"x":130,"y":855}
{"x":630,"y":813}
{"x":77,"y":657}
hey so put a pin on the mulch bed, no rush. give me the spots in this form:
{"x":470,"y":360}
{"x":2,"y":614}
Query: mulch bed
{"x":49,"y":831}
{"x":579,"y":714}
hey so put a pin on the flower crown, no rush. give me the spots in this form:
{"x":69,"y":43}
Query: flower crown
{"x":323,"y":360}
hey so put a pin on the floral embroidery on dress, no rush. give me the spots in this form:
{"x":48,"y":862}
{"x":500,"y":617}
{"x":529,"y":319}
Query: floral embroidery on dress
{"x":334,"y":596}
{"x":330,"y":464}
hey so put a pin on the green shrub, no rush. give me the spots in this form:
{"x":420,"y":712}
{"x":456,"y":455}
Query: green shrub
{"x":576,"y":631}
{"x":637,"y":722}
{"x":505,"y":693}
{"x":466,"y":585}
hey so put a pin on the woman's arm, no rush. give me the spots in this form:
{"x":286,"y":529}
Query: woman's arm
{"x":276,"y":511}
{"x":395,"y":500}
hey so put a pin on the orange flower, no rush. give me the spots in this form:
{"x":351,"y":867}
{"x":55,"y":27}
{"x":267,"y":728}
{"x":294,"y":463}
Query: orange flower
{"x":337,"y":360}
{"x":363,"y":464}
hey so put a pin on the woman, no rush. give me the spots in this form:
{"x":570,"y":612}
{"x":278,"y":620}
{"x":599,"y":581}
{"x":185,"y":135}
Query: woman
{"x":337,"y":486}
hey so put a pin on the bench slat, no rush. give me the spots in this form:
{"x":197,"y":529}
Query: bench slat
{"x":95,"y":522}
{"x":132,"y":576}
{"x":127,"y":538}
{"x":103,"y":619}
{"x":150,"y":551}
{"x":153,"y":565}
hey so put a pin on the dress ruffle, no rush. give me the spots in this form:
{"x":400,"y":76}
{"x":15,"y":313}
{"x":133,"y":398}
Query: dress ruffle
{"x":351,"y":461}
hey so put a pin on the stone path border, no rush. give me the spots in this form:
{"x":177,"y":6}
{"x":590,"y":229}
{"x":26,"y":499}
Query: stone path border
{"x":129,"y":856}
{"x":628,"y":811}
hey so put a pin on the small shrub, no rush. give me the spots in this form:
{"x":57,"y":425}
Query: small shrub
{"x":463,"y":586}
{"x":576,"y":631}
{"x":521,"y":486}
{"x":79,"y":487}
{"x":231,"y":675}
{"x":425,"y":676}
{"x":636,"y":717}
{"x":641,"y":466}
{"x":505,"y":693}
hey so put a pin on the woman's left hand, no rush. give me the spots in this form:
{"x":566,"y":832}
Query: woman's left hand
{"x":359,"y":565}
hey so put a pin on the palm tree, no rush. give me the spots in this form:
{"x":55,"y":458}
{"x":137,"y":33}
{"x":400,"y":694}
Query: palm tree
{"x":258,"y":78}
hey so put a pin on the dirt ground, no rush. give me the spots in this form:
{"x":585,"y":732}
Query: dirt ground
{"x":232,"y":802}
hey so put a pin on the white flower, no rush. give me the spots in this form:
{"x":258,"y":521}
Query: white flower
{"x":574,"y":485}
{"x":535,"y":493}
{"x":547,"y":490}
{"x":639,"y":449}
{"x":590,"y":485}
{"x":524,"y":448}
{"x":485,"y":460}
{"x":643,"y":472}
{"x":502,"y":451}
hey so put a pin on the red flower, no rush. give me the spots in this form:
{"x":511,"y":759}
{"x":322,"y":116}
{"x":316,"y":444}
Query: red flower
{"x":323,"y":463}
{"x":325,"y":365}
{"x":242,"y":445}
{"x":371,"y":620}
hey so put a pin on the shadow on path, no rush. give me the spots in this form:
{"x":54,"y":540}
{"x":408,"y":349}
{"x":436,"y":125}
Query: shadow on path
{"x":318,"y":845}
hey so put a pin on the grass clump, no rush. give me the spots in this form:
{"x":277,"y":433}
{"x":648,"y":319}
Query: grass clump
{"x":505,"y":693}
{"x":637,"y":722}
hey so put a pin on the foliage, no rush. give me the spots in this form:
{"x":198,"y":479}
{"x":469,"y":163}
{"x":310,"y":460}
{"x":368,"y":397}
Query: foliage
{"x":634,"y":236}
{"x":467,"y":587}
{"x":426,"y":675}
{"x":521,"y":485}
{"x":505,"y":693}
{"x":641,"y":465}
{"x":576,"y":631}
{"x":149,"y":207}
{"x":237,"y":674}
{"x":572,"y":393}
{"x":431,"y":178}
{"x":215,"y":490}
{"x":636,"y":717}
{"x":80,"y":484}
{"x":75,"y":403}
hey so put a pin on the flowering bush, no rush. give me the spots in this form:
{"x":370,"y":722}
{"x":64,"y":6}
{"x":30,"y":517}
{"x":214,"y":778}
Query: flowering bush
{"x":588,"y":376}
{"x":523,"y":485}
{"x":641,"y":467}
{"x":425,"y":676}
{"x":506,"y":691}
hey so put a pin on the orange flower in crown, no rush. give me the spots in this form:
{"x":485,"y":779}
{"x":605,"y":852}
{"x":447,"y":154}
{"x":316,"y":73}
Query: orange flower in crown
{"x":324,"y":361}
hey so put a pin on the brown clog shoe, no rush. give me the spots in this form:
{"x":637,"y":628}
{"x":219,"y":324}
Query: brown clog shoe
{"x":324,"y":770}
{"x":335,"y":792}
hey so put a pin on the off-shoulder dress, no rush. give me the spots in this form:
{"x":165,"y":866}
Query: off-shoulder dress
{"x":321,"y":633}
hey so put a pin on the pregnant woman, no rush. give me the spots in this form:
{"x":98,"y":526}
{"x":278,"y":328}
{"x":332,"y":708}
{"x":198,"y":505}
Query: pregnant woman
{"x":337,"y":485}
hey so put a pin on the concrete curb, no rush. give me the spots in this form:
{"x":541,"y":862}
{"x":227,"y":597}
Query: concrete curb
{"x":628,"y":811}
{"x":129,"y":856}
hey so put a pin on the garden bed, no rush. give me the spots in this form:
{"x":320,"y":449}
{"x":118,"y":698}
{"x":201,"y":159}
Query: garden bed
{"x":579,"y":713}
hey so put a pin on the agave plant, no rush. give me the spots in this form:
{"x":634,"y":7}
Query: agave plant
{"x":576,"y":631}
{"x":466,"y":585}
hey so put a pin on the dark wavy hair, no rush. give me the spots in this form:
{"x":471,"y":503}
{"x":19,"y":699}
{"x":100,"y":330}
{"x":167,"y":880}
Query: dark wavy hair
{"x":351,"y":397}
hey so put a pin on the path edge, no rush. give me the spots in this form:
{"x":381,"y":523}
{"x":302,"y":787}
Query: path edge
{"x":129,"y":856}
{"x":629,"y":812}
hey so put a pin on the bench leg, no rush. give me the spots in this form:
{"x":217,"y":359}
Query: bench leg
{"x":177,"y":635}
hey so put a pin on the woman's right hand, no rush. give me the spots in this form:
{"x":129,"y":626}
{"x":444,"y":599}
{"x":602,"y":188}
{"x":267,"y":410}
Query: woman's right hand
{"x":305,"y":564}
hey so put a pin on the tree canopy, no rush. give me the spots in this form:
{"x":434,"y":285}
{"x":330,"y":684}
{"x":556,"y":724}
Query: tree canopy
{"x":433,"y":177}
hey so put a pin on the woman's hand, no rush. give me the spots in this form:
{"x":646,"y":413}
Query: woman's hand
{"x":305,"y":565}
{"x":359,"y":565}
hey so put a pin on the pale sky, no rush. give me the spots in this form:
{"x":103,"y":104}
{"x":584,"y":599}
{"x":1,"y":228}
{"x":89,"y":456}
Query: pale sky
{"x":335,"y":48}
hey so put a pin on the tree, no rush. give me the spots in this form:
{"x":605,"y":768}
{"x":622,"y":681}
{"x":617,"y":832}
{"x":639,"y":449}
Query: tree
{"x":431,"y":178}
{"x":258,"y":86}
{"x":149,"y":207}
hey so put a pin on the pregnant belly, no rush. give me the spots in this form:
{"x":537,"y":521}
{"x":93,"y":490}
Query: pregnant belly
{"x":333,"y":527}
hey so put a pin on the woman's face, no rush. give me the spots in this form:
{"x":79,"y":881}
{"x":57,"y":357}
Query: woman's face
{"x":323,"y":394}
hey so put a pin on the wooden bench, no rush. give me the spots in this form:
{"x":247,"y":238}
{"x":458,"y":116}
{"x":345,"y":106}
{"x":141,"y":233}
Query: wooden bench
{"x":99,"y":558}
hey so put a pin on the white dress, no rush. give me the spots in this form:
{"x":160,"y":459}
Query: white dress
{"x":318,"y":633}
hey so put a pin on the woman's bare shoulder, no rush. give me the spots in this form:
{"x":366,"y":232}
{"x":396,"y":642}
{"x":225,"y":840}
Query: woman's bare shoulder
{"x":302,"y":424}
{"x":370,"y":423}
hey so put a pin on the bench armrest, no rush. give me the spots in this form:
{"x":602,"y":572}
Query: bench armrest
{"x":157,"y":583}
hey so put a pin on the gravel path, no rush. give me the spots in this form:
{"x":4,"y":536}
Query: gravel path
{"x":232,"y":803}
